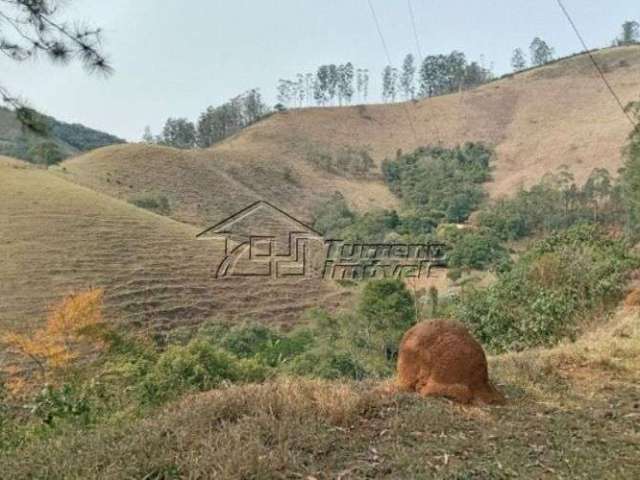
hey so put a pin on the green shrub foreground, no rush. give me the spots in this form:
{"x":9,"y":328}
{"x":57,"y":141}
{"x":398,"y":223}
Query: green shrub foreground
{"x":558,"y":285}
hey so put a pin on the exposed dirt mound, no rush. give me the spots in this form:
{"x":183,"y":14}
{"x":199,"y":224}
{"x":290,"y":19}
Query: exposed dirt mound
{"x":633,"y":298}
{"x":441,"y":358}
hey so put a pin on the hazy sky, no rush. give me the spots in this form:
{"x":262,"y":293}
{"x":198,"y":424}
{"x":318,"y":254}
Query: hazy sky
{"x":176,"y":57}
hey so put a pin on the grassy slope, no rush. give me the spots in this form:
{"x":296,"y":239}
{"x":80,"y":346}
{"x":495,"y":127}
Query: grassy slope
{"x":57,"y":237}
{"x":573,"y":412}
{"x":538,"y":120}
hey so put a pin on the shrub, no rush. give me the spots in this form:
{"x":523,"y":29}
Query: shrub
{"x":265,"y":345}
{"x":46,"y":153}
{"x":476,"y":249}
{"x":152,"y":201}
{"x":386,"y":311}
{"x":560,"y":281}
{"x":61,"y":403}
{"x":199,"y":365}
{"x":325,"y":362}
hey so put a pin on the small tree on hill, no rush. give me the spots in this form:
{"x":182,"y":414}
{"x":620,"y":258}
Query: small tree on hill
{"x":179,"y":133}
{"x":541,"y":52}
{"x":630,"y":33}
{"x":518,"y":62}
{"x":147,"y":136}
{"x":407,"y":77}
{"x":46,"y":153}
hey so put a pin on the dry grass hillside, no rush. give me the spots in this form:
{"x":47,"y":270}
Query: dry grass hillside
{"x":538,"y":120}
{"x":57,"y":237}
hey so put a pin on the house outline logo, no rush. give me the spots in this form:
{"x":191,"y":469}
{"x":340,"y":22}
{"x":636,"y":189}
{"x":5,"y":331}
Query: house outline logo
{"x":263,"y":249}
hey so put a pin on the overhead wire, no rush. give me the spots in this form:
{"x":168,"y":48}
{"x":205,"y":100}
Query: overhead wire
{"x":386,"y":51}
{"x":598,"y":68}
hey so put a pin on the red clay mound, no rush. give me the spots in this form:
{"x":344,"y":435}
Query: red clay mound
{"x":441,"y":358}
{"x":633,"y":298}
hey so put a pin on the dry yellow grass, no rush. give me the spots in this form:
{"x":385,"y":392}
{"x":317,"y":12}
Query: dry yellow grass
{"x":57,"y":238}
{"x":537,"y":120}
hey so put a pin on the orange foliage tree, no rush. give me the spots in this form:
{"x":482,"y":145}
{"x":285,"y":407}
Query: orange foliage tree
{"x":69,"y":323}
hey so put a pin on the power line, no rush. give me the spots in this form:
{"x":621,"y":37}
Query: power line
{"x":420,"y":56}
{"x":597,"y":67}
{"x":386,"y":51}
{"x":415,"y":30}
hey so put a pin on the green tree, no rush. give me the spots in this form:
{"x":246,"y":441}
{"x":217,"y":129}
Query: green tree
{"x":147,"y":136}
{"x":407,"y":77}
{"x":46,"y":153}
{"x":321,"y":85}
{"x":389,"y":83}
{"x":630,"y":33}
{"x":388,"y":310}
{"x":518,"y":62}
{"x":630,"y":174}
{"x":345,"y":82}
{"x":598,"y":189}
{"x":475,"y":75}
{"x":179,"y":133}
{"x":541,"y":52}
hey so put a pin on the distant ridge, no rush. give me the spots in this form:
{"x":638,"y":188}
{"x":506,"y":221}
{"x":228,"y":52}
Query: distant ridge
{"x":68,"y":138}
{"x":537,"y":120}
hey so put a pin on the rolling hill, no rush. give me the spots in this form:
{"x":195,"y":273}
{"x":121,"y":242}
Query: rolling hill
{"x":58,"y":237}
{"x":72,"y":226}
{"x":537,"y":120}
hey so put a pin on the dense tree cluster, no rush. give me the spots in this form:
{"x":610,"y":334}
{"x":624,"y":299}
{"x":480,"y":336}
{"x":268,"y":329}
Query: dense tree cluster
{"x":436,"y":185}
{"x":440,"y":182}
{"x":341,"y":84}
{"x":331,"y":84}
{"x":80,"y":137}
{"x":555,"y":203}
{"x":213,"y":125}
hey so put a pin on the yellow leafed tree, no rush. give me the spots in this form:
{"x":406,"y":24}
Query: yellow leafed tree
{"x":60,"y":340}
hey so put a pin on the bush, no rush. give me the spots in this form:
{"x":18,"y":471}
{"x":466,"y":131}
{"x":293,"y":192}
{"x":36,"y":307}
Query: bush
{"x":46,"y":153}
{"x":152,"y":201}
{"x":61,"y":403}
{"x":477,"y":249}
{"x":199,"y":365}
{"x":327,"y":363}
{"x":386,"y":311}
{"x":550,"y":291}
{"x":265,"y":345}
